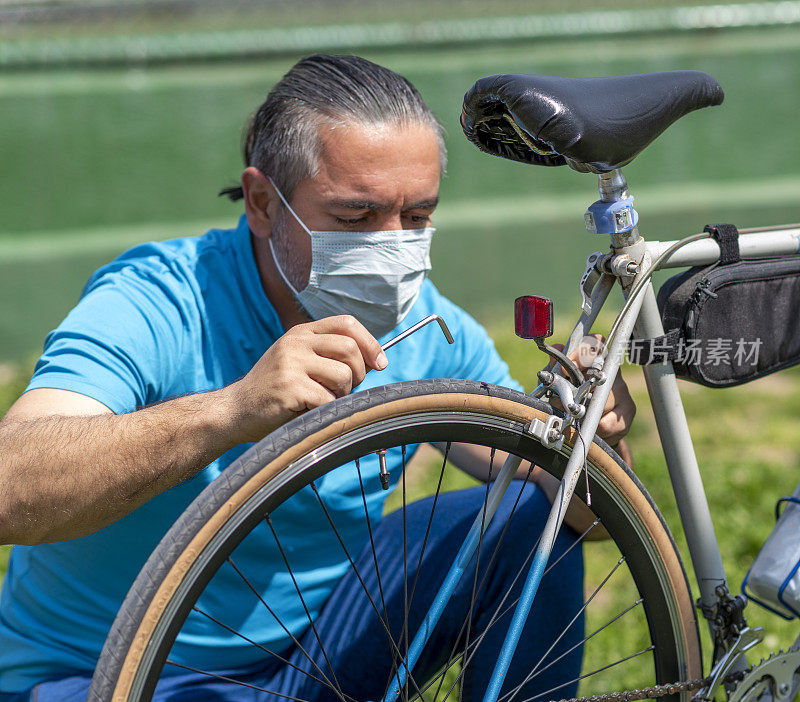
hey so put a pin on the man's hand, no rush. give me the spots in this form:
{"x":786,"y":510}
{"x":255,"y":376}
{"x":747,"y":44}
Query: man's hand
{"x":620,"y":408}
{"x":310,"y":365}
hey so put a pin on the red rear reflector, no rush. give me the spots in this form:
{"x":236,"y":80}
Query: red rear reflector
{"x":533,"y":317}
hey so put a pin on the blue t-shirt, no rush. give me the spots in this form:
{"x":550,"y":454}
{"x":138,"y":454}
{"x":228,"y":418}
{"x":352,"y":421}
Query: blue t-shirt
{"x":188,"y":316}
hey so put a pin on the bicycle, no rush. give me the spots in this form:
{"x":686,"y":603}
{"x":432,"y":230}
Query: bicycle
{"x":369,"y":436}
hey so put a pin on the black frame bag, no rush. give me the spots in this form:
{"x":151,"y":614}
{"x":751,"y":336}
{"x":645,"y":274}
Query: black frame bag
{"x":732,"y":321}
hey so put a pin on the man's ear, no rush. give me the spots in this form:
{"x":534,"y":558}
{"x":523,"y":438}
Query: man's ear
{"x":261,"y":202}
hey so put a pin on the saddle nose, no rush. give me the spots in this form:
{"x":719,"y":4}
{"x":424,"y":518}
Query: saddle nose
{"x":592,"y":124}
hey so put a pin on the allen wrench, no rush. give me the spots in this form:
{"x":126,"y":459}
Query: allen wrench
{"x":417,"y":327}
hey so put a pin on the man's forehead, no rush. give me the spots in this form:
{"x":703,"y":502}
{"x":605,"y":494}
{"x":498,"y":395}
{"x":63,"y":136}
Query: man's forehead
{"x":381,"y":147}
{"x":379,"y":166}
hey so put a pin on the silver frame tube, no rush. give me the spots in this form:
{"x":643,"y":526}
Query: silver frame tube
{"x":670,"y":417}
{"x":684,"y":472}
{"x":600,"y":293}
{"x":773,"y":242}
{"x":673,"y":430}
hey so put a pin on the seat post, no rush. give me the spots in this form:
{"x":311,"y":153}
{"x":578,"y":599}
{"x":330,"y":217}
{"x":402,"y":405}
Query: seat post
{"x":613,"y":186}
{"x":613,"y":213}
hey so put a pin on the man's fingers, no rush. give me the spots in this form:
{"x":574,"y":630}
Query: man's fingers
{"x":347,"y":325}
{"x":341,"y":348}
{"x":316,"y":395}
{"x":335,"y":376}
{"x":611,"y":402}
{"x":619,"y":409}
{"x":624,"y":452}
{"x":612,"y":426}
{"x":584,"y":353}
{"x":587,"y":350}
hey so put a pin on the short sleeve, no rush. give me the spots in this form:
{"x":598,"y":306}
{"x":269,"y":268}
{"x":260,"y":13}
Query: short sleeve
{"x":120,"y":345}
{"x":477,"y":357}
{"x":474,"y":356}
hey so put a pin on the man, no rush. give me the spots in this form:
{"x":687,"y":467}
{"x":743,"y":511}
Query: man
{"x":181,"y":354}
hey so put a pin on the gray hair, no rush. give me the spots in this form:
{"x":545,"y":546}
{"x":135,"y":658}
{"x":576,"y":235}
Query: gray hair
{"x":282,"y":138}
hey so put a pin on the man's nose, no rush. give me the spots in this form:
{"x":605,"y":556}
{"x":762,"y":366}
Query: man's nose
{"x":391,"y":222}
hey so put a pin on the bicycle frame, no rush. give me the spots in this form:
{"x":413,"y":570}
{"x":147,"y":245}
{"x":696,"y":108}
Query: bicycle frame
{"x":668,"y":408}
{"x":642,"y":318}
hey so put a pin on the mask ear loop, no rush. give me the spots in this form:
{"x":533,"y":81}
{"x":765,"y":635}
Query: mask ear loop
{"x":288,"y":206}
{"x":272,"y":248}
{"x":280,"y":270}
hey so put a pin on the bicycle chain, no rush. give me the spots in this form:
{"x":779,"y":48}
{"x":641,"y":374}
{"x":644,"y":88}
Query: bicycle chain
{"x":649,"y":693}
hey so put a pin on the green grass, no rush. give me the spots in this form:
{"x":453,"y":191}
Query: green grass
{"x":748,"y":444}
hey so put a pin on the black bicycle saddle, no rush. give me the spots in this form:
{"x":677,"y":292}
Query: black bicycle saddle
{"x":592,"y":124}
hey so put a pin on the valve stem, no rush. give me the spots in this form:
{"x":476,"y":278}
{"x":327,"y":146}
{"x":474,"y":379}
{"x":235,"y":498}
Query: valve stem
{"x":384,"y":473}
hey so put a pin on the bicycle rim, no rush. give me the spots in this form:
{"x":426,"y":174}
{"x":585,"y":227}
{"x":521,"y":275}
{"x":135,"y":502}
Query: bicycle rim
{"x":639,"y":626}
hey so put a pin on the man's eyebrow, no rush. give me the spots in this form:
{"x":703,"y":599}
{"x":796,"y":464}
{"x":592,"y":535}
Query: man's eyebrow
{"x":357,"y":204}
{"x":424,"y":204}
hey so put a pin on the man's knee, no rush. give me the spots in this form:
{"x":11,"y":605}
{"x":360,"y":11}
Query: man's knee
{"x":74,"y":688}
{"x":517,"y":528}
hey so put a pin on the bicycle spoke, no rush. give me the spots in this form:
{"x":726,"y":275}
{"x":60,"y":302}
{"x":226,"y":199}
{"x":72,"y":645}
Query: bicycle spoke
{"x":404,"y":633}
{"x":303,"y":601}
{"x":427,"y":533}
{"x":498,"y":614}
{"x":477,"y":566}
{"x":530,"y":675}
{"x":475,"y":643}
{"x":225,"y":678}
{"x":282,"y":625}
{"x":424,"y":543}
{"x":395,"y":671}
{"x":471,"y":648}
{"x":586,"y":638}
{"x":361,"y":580}
{"x":430,"y":522}
{"x":263,"y":648}
{"x":450,"y":660}
{"x":587,"y":675}
{"x":371,"y":538}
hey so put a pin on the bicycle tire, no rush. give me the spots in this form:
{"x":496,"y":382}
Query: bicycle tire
{"x":272,"y":470}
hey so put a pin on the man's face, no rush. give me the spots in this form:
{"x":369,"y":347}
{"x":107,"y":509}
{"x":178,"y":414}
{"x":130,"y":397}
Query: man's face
{"x":370,"y":179}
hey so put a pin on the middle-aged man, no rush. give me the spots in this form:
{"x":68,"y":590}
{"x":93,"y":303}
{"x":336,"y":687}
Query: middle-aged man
{"x":180,"y":354}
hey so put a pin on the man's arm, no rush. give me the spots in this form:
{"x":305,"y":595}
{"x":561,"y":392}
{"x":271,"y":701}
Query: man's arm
{"x":66,"y":473}
{"x":70,"y":467}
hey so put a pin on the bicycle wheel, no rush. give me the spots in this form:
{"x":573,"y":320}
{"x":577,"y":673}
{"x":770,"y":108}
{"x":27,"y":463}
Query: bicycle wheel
{"x":637,"y":623}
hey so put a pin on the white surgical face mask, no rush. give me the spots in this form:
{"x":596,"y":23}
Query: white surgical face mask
{"x":374,"y":276}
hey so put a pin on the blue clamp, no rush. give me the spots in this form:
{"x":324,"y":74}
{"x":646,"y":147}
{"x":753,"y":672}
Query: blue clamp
{"x":611,"y":217}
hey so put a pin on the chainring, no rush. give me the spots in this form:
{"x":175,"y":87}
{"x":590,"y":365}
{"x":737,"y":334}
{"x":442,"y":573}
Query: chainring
{"x":776,"y":679}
